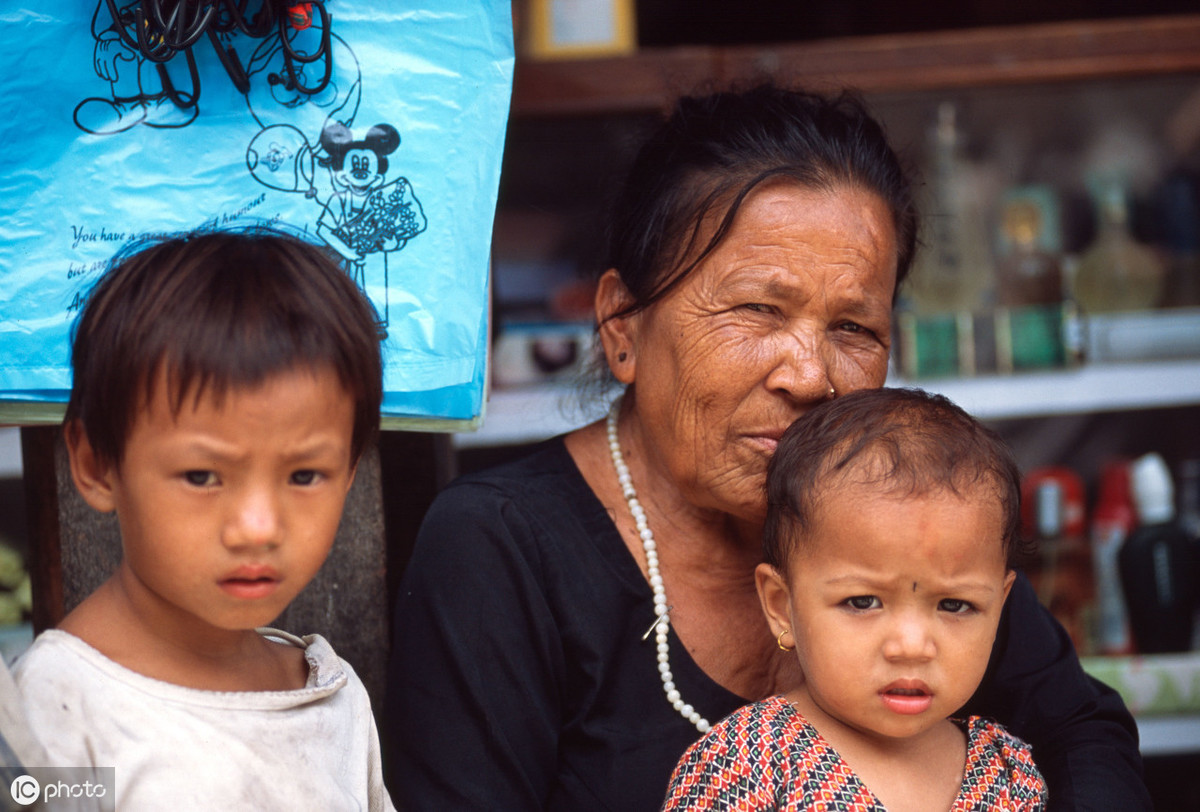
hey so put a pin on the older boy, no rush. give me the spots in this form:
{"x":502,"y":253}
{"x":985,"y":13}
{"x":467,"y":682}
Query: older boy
{"x":225,"y":387}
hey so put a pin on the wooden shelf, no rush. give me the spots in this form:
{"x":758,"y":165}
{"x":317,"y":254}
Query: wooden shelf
{"x":651,"y":79}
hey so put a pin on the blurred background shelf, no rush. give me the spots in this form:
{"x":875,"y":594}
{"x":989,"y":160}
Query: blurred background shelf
{"x":528,"y":414}
{"x":1088,"y":388}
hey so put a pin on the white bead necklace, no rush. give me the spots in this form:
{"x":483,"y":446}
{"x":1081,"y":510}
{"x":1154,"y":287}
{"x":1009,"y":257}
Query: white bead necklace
{"x":662,"y":622}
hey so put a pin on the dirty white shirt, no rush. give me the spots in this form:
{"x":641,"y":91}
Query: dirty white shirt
{"x":178,"y":749}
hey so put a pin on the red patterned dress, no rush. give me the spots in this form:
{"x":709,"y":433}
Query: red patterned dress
{"x":767,"y":756}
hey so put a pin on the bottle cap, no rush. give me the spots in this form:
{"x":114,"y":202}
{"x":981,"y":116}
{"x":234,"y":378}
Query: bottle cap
{"x":1049,"y":509}
{"x":1152,"y":489}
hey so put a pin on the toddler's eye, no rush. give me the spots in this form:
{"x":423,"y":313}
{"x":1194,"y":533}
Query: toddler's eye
{"x":955,"y":606}
{"x":304,"y":477}
{"x":863,"y":602}
{"x":200,"y":478}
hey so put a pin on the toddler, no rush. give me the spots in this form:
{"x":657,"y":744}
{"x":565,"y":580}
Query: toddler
{"x":889,"y":545}
{"x":225,"y":387}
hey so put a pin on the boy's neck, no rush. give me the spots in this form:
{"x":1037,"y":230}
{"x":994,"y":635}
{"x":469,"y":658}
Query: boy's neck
{"x":134,"y":629}
{"x":919,"y":773}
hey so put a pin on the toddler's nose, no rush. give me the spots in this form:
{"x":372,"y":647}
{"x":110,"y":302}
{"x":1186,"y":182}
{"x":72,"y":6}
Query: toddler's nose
{"x":909,"y":639}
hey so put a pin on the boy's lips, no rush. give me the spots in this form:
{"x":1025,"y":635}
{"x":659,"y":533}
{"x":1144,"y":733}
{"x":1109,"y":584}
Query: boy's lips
{"x":906,"y":696}
{"x":250,"y":582}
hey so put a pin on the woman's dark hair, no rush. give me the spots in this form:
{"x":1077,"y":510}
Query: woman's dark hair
{"x":714,"y":150}
{"x":215,"y":310}
{"x":904,"y":442}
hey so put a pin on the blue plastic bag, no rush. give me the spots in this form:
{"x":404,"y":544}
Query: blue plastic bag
{"x":394,"y":162}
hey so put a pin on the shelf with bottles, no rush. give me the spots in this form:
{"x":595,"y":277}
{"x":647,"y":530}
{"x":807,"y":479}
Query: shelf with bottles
{"x":1118,"y":572}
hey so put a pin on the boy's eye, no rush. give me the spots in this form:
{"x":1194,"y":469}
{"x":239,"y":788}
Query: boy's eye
{"x":200,"y":478}
{"x":955,"y":606}
{"x":304,"y":477}
{"x":863,"y":602}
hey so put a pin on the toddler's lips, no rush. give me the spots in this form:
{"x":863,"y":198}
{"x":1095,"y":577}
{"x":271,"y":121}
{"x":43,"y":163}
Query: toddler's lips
{"x":907,"y":697}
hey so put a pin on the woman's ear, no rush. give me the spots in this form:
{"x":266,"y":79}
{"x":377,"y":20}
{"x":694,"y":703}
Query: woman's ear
{"x":93,"y":476}
{"x":1008,"y":582}
{"x":617,"y":333}
{"x":775,"y":598}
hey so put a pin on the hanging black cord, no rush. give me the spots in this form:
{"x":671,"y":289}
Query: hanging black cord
{"x":231,"y":63}
{"x":181,"y":100}
{"x":163,"y":28}
{"x":289,"y":51}
{"x":261,"y":25}
{"x":291,"y":56}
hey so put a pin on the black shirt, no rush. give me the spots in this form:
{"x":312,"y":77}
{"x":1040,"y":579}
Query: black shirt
{"x":520,"y":680}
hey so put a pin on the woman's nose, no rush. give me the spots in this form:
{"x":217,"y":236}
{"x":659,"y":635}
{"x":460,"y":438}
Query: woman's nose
{"x":909,"y":639}
{"x":802,"y":368}
{"x":254,"y":521}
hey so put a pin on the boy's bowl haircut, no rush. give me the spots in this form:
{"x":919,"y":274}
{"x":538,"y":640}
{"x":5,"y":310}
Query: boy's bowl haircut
{"x":218,"y":309}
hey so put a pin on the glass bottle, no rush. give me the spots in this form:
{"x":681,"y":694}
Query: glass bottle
{"x":1116,"y":272}
{"x":953,"y":270}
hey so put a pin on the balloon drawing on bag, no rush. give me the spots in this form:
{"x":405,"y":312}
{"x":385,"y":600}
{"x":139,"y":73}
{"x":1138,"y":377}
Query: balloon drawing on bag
{"x":280,"y":157}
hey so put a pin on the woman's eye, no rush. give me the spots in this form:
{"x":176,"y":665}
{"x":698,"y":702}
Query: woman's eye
{"x":200,"y":478}
{"x":863,"y":602}
{"x":955,"y":606}
{"x":757,"y":307}
{"x":304,"y":477}
{"x":854,"y":327}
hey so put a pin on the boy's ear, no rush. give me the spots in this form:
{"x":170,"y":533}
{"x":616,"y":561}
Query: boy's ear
{"x":92,"y":476}
{"x":617,"y":335}
{"x":775,"y":598}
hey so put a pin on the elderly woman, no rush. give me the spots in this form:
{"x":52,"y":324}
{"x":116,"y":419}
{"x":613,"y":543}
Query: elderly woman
{"x":571,"y":622}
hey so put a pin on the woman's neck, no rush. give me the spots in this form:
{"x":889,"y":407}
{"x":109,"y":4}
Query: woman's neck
{"x":707,"y":560}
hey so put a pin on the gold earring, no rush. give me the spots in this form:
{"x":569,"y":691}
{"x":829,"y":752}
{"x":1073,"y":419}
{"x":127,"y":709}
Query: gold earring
{"x":779,"y":641}
{"x":832,"y":393}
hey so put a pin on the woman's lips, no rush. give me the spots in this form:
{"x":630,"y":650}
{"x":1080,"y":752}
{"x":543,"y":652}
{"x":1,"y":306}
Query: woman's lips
{"x":766,"y":440}
{"x":907,"y":697}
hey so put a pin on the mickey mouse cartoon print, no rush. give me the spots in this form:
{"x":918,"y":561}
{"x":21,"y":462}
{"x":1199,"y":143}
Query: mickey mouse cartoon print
{"x":366,"y":218}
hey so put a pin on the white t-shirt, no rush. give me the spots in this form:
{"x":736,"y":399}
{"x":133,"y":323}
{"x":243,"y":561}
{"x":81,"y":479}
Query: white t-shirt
{"x":177,"y":748}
